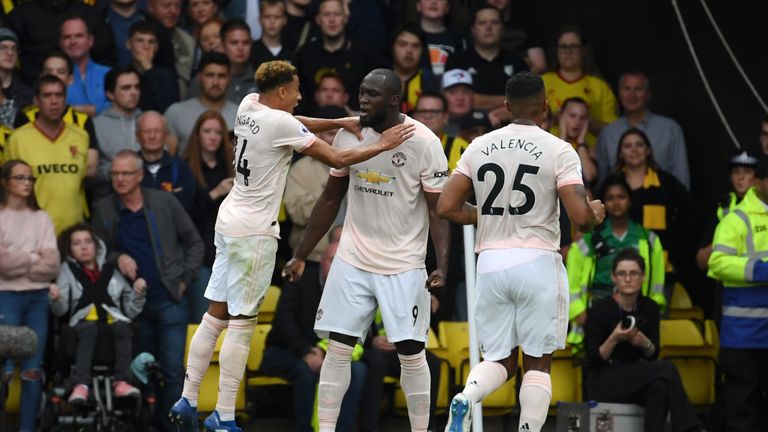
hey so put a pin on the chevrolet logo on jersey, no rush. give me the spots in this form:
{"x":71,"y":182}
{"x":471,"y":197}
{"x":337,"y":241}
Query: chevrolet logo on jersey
{"x":374,"y":177}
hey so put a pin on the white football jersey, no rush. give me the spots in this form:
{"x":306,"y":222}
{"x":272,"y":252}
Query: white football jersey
{"x":516,"y":172}
{"x":265,"y":139}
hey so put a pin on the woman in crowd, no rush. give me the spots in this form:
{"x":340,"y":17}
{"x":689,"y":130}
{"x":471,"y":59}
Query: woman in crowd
{"x":622,"y":340}
{"x":590,"y":260}
{"x":659,"y":201}
{"x":209,"y":154}
{"x":574,"y":75}
{"x":208,"y":39}
{"x":29,"y":261}
{"x":200,"y":11}
{"x":573,"y":127}
{"x":90,"y":291}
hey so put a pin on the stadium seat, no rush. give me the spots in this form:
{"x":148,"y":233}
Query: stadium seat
{"x":258,"y":343}
{"x":269,"y":305}
{"x":13,"y":402}
{"x":209,"y":387}
{"x":695,"y":355}
{"x":454,"y":337}
{"x":566,"y":378}
{"x":681,"y":307}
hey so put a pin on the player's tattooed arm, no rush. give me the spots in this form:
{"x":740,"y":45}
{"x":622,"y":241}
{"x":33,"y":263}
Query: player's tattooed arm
{"x":583,"y":213}
{"x":453,"y":204}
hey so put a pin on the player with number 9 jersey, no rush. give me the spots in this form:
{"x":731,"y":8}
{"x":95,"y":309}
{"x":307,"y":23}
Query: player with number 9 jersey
{"x":246,"y":235}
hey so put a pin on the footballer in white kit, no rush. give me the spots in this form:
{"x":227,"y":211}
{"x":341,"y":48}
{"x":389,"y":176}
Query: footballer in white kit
{"x":518,"y":174}
{"x":391,"y":210}
{"x":266,"y":135}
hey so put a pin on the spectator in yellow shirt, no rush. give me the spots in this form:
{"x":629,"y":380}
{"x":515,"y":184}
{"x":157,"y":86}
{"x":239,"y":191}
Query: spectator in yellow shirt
{"x":573,"y":75}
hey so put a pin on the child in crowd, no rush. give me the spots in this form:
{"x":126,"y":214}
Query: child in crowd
{"x":92,"y":291}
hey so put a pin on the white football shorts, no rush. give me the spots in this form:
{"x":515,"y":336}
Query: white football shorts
{"x":521,"y":300}
{"x":242,"y":272}
{"x":351,"y":297}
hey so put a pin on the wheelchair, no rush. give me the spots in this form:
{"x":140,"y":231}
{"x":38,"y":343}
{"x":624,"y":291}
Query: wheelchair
{"x":102,"y":411}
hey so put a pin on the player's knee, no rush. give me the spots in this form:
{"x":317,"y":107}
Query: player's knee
{"x":218,"y":310}
{"x":409,"y":347}
{"x":510,"y":364}
{"x":345,"y":339}
{"x":541,"y":364}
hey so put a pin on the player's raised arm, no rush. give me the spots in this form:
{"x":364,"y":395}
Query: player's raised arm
{"x":583,"y":213}
{"x":453,"y":204}
{"x":317,"y":125}
{"x":339,"y":158}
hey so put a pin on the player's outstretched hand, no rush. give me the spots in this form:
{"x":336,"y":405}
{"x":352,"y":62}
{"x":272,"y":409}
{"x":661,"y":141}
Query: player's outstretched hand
{"x":293,"y":270}
{"x":598,"y":208}
{"x":395,"y":135}
{"x":436,"y":280}
{"x":352,"y":124}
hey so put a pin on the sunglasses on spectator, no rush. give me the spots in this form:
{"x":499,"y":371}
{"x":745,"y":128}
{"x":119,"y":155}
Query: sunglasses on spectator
{"x":21,"y":178}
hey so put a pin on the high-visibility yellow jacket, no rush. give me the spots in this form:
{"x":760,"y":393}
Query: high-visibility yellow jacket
{"x":581,"y":263}
{"x":741,"y":241}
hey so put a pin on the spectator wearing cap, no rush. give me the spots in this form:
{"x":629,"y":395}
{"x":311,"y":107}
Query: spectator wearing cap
{"x":665,"y":134}
{"x":86,"y":91}
{"x":15,"y":95}
{"x":743,"y":177}
{"x":736,"y":262}
{"x":457,"y":89}
{"x":489,"y":63}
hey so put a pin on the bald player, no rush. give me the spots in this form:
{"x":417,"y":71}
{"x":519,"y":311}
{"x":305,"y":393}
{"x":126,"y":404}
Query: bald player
{"x":247,"y":230}
{"x":518,"y":173}
{"x":391,"y":209}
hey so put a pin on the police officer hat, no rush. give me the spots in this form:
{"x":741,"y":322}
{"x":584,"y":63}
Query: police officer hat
{"x":744,"y":159}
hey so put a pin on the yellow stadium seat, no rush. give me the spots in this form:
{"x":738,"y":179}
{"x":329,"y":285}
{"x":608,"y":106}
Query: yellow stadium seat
{"x":209,"y":391}
{"x":454,"y":337}
{"x":695,"y":355}
{"x":269,"y":305}
{"x":566,"y":378}
{"x":13,"y":402}
{"x":681,"y":307}
{"x":258,"y":343}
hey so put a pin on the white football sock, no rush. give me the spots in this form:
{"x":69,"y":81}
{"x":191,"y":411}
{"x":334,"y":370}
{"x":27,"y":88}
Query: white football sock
{"x":232,"y":359}
{"x":535,"y":394}
{"x":200,"y":352}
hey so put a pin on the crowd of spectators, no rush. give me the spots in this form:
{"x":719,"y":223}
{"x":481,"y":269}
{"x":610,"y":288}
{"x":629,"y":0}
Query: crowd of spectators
{"x":116,"y":121}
